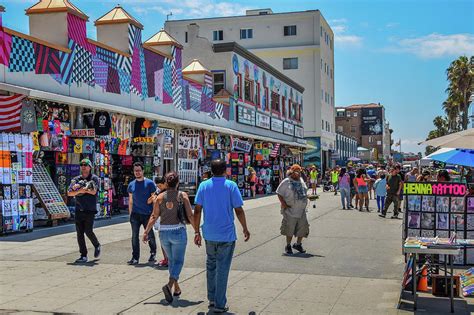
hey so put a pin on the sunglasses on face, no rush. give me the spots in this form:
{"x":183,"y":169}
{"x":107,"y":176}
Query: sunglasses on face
{"x":84,"y":164}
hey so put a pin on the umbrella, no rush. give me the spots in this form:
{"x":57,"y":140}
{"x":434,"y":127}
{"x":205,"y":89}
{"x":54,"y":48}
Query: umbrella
{"x":354,"y":159}
{"x":464,"y":157}
{"x":462,"y":139}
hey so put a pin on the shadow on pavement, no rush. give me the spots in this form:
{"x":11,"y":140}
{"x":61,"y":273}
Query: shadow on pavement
{"x":90,"y":263}
{"x":176,"y":303}
{"x":300,"y":255}
{"x":427,"y":304}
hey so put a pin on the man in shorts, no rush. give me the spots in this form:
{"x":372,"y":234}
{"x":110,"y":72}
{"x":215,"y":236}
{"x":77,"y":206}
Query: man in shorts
{"x":313,"y":179}
{"x":292,"y":193}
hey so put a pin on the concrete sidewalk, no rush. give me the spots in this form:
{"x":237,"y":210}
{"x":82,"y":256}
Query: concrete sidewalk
{"x":353,"y":266}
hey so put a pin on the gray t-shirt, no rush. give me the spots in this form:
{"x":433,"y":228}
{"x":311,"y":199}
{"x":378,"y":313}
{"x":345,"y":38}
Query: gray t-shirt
{"x":297,"y":206}
{"x":28,"y":117}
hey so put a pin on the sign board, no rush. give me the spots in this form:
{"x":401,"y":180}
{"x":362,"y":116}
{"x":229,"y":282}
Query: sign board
{"x":83,"y":133}
{"x":288,"y":129}
{"x":435,"y":188}
{"x":263,"y":121}
{"x":240,"y":145}
{"x":245,"y":116}
{"x":144,"y":140}
{"x":372,"y":121}
{"x":299,"y":132}
{"x":277,"y":125}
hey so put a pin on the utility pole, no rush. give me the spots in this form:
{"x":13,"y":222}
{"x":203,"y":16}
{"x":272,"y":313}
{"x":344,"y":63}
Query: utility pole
{"x":168,"y":16}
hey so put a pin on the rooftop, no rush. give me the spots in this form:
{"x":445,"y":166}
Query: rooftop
{"x":162,"y":38}
{"x":359,"y":106}
{"x":51,"y":6}
{"x":196,"y":67}
{"x":118,"y":15}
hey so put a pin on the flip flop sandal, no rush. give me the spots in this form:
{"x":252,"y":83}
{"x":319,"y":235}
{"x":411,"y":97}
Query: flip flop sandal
{"x":177,"y":294}
{"x":167,"y":293}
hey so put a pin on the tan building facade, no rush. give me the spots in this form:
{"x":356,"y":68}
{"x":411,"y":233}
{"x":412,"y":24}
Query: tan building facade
{"x":366,"y":123}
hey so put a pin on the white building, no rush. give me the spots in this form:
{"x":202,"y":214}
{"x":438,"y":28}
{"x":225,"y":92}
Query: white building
{"x":298,"y":44}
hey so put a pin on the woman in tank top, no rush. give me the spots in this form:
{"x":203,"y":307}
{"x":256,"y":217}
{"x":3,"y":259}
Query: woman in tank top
{"x":362,"y":190}
{"x":172,"y":231}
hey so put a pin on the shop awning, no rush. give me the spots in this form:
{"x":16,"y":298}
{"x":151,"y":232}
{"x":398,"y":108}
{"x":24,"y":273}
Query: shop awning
{"x":74,"y":101}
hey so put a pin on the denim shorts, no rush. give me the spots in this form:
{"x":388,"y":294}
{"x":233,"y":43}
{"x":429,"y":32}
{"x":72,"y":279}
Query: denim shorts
{"x":363,"y":189}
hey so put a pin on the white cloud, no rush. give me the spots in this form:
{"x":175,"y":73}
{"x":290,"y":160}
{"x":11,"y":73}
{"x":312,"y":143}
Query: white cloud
{"x":392,"y":25}
{"x":435,"y":45}
{"x":191,"y":8}
{"x":341,"y":36}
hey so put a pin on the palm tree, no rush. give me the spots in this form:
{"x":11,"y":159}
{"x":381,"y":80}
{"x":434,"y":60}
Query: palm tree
{"x":451,"y":108}
{"x":461,"y":77}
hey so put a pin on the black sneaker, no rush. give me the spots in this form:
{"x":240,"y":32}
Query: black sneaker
{"x":394,"y":217}
{"x":288,"y":250}
{"x":219,"y":310}
{"x":152,"y":257}
{"x":97,"y":252}
{"x":211,"y":304}
{"x":133,"y":261}
{"x":299,"y":248}
{"x":81,"y":260}
{"x":382,"y":215}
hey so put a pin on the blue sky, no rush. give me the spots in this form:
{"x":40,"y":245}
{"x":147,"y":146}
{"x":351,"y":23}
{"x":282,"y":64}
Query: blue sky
{"x":392,"y":52}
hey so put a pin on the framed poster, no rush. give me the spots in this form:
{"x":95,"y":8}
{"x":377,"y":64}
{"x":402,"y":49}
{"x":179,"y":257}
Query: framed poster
{"x":277,"y":125}
{"x":245,"y":115}
{"x":263,"y":121}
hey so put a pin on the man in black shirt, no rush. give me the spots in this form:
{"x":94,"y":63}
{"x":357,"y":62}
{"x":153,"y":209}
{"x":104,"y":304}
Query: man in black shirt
{"x":84,"y":187}
{"x":394,"y":189}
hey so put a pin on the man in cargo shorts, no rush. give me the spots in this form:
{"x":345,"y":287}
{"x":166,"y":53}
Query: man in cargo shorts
{"x":293,"y":195}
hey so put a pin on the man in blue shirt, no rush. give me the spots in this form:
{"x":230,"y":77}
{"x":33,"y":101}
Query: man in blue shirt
{"x":218,"y":197}
{"x":140,"y":207}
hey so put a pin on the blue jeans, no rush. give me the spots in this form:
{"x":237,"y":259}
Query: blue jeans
{"x":345,"y":197}
{"x":380,"y":202}
{"x":137,"y":220}
{"x":219,"y":259}
{"x":174,"y":243}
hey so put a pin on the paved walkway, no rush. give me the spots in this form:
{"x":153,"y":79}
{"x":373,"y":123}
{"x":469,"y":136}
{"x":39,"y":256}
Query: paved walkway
{"x":353,"y":266}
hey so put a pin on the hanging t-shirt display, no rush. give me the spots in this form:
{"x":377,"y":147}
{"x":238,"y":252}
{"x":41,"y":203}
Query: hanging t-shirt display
{"x":102,"y":123}
{"x":28,"y":117}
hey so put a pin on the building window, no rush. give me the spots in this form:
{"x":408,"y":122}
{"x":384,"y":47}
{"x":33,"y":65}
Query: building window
{"x":218,"y":35}
{"x":275,"y":102}
{"x":322,"y":124}
{"x":289,"y":30}
{"x":353,"y":128}
{"x":246,"y":33}
{"x":322,"y":93}
{"x":348,"y":113}
{"x":340,"y":128}
{"x":239,"y":86}
{"x":370,"y":139}
{"x":248,"y":91}
{"x":355,"y":114}
{"x":219,"y":82}
{"x":185,"y":37}
{"x":321,"y":31}
{"x":290,"y":63}
{"x":257,"y":94}
{"x":283,"y":106}
{"x":265,"y":100}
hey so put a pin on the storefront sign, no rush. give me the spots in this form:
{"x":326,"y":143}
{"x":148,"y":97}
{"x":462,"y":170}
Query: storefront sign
{"x":245,"y":116}
{"x":83,"y":133}
{"x":299,"y":132}
{"x":241,"y":145}
{"x":437,"y":189}
{"x":144,"y":140}
{"x":277,"y":125}
{"x":263,"y":121}
{"x":288,"y":129}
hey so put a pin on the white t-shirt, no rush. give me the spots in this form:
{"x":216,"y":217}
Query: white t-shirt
{"x":297,"y":206}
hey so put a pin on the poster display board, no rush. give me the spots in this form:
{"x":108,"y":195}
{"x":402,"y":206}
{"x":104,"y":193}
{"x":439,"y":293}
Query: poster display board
{"x":16,"y":179}
{"x":439,"y":209}
{"x":372,"y":121}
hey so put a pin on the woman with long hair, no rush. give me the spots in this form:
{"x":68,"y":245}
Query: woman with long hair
{"x":362,"y":189}
{"x":172,"y":230}
{"x":160,"y":182}
{"x":345,"y":188}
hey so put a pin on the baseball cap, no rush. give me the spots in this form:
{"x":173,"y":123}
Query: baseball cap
{"x":86,"y":161}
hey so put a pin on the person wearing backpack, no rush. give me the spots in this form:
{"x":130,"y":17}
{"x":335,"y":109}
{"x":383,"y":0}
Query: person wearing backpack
{"x":380,"y":187}
{"x":174,"y":210}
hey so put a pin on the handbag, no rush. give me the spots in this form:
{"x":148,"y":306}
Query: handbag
{"x":182,"y":217}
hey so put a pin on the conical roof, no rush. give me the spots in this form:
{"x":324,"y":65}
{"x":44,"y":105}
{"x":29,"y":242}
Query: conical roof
{"x":162,"y":38}
{"x":118,"y":15}
{"x":2,"y":8}
{"x":196,"y":67}
{"x":49,"y":6}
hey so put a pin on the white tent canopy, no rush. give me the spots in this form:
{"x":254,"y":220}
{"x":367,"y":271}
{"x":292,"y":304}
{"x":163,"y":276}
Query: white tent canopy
{"x":462,"y":139}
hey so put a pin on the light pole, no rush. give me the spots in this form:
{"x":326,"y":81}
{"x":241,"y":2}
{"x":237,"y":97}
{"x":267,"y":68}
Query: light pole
{"x":168,"y":16}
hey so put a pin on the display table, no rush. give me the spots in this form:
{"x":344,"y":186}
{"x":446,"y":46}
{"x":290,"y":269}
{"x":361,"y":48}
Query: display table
{"x":448,"y":254}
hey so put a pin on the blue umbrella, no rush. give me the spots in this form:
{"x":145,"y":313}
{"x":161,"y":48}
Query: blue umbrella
{"x":464,"y":157}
